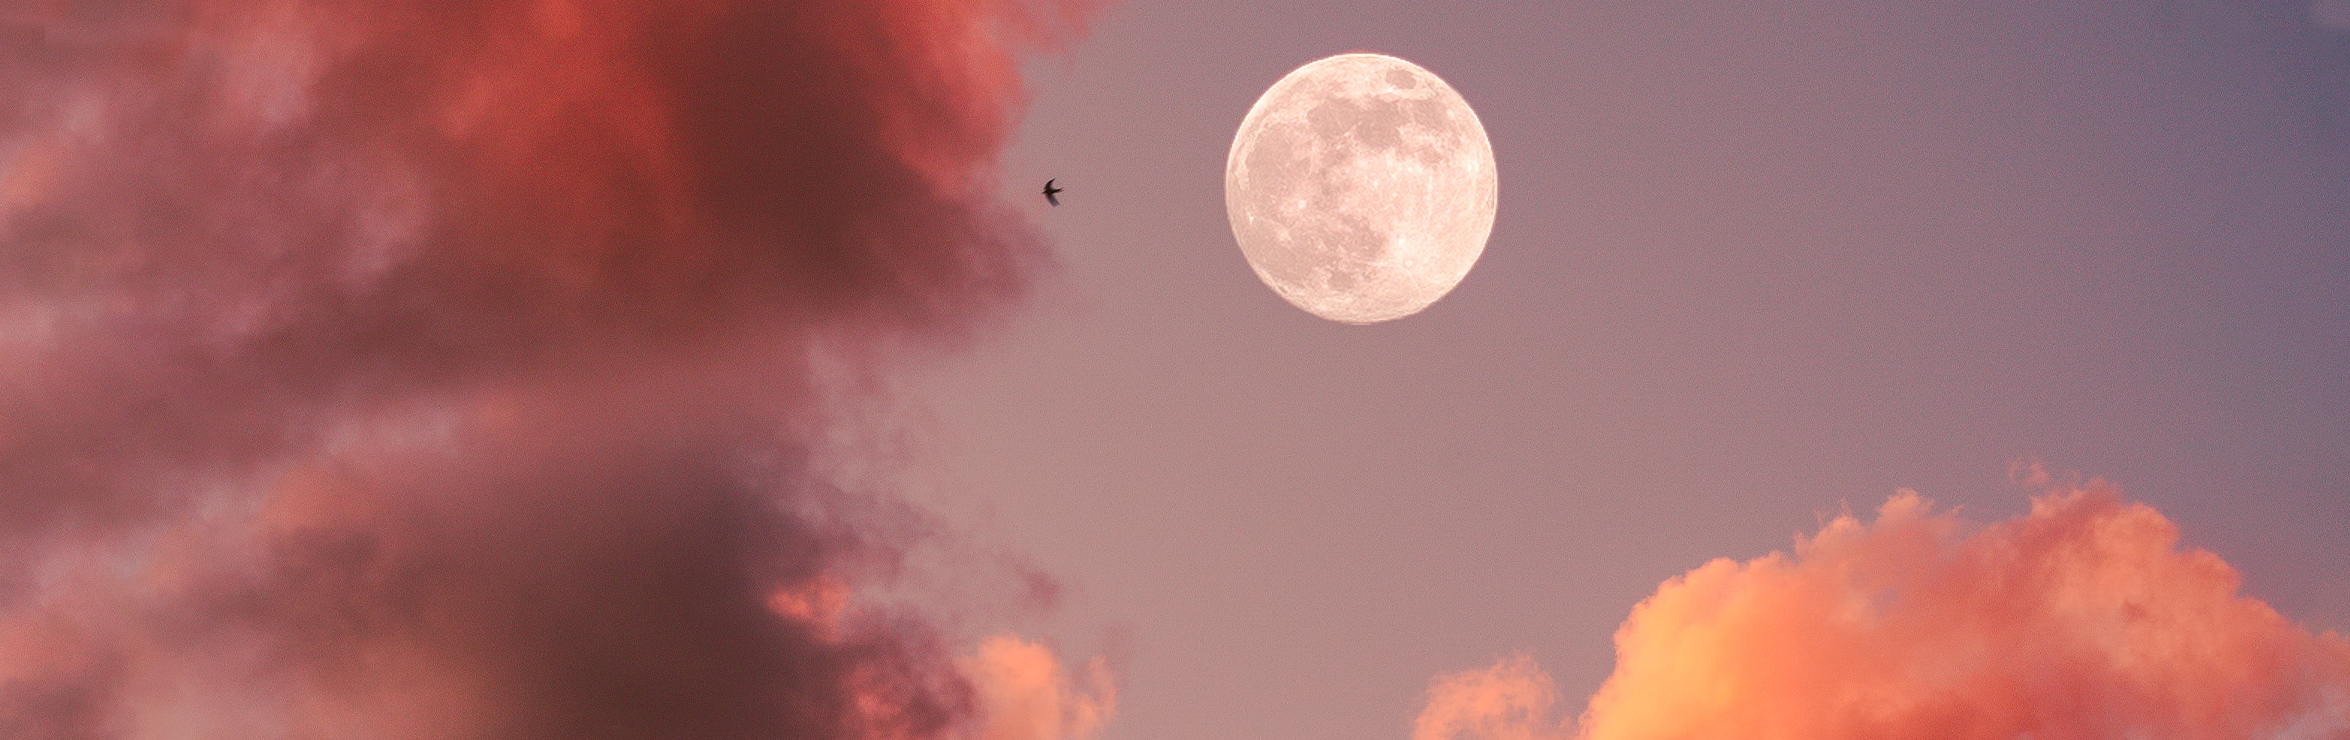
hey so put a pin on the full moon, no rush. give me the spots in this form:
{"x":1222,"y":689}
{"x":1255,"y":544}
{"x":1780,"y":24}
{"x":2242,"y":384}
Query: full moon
{"x":1361,"y":188}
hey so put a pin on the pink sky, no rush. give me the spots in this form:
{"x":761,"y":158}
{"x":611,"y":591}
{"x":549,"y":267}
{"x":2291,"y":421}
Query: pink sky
{"x":1755,"y":265}
{"x":620,"y":368}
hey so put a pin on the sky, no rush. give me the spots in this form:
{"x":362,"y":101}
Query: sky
{"x":456,"y":369}
{"x":1755,"y":265}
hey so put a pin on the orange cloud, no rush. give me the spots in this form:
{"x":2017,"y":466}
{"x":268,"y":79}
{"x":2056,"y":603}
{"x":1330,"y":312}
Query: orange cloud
{"x":2083,"y":619}
{"x":1025,"y":695}
{"x":1513,"y":700}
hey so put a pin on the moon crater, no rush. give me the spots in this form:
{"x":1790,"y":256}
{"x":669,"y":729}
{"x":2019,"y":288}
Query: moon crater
{"x":1361,"y":188}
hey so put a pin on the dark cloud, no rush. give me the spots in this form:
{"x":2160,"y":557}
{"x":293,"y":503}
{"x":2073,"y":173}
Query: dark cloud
{"x":448,"y":369}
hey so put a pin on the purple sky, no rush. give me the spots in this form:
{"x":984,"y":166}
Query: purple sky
{"x":1754,"y":263}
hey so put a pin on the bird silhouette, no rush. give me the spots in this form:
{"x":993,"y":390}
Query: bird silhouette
{"x":1050,"y":191}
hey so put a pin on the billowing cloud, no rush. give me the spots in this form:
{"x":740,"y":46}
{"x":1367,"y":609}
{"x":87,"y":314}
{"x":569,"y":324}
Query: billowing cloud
{"x":481,"y":368}
{"x":2083,"y":619}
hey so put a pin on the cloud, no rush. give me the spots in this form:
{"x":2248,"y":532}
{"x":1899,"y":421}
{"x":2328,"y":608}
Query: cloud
{"x":1025,"y":694}
{"x":1513,"y":700}
{"x":2084,"y":618}
{"x":481,"y":368}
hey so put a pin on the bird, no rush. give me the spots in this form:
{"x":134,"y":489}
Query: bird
{"x":1050,"y":191}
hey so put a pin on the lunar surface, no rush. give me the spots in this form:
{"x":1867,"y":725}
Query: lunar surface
{"x":1361,"y":188}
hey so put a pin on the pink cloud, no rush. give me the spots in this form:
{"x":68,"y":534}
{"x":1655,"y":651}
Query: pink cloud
{"x":464,"y":368}
{"x":2083,"y":619}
